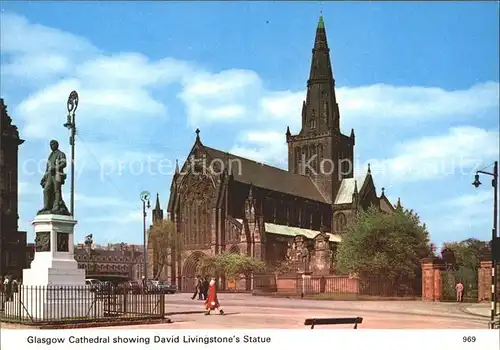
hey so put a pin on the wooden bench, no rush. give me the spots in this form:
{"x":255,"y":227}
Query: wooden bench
{"x":333,"y":321}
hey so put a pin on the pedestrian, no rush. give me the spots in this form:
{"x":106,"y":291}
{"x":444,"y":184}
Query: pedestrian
{"x":205,"y":287}
{"x":460,"y":291}
{"x":212,"y":301}
{"x":15,"y":286}
{"x":197,"y":288}
{"x":8,"y":288}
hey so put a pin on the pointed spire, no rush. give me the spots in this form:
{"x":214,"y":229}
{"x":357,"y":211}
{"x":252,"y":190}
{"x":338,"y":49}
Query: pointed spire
{"x":177,"y":166}
{"x":320,"y":109}
{"x":320,"y":40}
{"x":321,"y":23}
{"x":398,"y":205}
{"x":355,"y":186}
{"x":369,"y":169}
{"x":288,"y":133}
{"x":250,"y":193}
{"x":383,"y":192}
{"x":157,"y":206}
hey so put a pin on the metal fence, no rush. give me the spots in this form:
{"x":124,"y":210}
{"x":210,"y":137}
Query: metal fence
{"x":59,"y":304}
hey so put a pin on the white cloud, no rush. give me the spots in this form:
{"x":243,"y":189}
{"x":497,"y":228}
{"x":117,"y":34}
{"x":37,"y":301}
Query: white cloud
{"x":269,"y":146}
{"x":386,"y":101}
{"x":466,"y":214}
{"x":35,"y":52}
{"x":458,"y":152}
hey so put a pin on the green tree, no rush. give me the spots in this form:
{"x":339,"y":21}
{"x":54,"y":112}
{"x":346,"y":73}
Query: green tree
{"x":165,"y":245}
{"x":468,"y":255}
{"x":231,"y":265}
{"x":385,"y":246}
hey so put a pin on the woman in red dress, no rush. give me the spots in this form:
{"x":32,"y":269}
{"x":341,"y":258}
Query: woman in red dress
{"x":212,"y":301}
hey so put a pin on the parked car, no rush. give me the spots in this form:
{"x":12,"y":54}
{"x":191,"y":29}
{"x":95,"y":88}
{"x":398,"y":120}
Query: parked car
{"x":160,"y":287}
{"x":93,"y":283}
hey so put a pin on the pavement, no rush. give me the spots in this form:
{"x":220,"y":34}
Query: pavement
{"x":254,"y":312}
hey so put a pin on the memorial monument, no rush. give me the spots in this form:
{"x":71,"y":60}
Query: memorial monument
{"x":54,"y":287}
{"x":54,"y":262}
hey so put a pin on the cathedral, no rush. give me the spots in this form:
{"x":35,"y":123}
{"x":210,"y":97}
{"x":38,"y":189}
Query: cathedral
{"x":242,"y":206}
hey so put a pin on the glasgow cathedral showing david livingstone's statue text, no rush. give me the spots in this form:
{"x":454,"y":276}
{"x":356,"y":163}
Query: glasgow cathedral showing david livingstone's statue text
{"x":242,"y":206}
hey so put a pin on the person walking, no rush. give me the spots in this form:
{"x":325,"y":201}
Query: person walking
{"x":460,"y":291}
{"x":205,"y":287}
{"x":197,"y":288}
{"x":212,"y":302}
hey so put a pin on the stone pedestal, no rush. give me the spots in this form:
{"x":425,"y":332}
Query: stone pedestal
{"x":53,"y":288}
{"x":54,"y":262}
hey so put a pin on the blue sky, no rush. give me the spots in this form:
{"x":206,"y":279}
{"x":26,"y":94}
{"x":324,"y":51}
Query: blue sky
{"x":419,"y":83}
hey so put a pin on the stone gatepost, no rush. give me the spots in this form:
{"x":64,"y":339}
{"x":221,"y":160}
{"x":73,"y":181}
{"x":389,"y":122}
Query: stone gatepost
{"x":431,"y":279}
{"x":484,"y":281}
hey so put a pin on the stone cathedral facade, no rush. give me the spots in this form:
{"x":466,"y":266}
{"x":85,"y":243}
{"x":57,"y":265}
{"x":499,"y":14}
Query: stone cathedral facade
{"x":225,"y":203}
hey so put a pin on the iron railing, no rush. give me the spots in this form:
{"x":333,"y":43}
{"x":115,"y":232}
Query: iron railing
{"x":54,"y":304}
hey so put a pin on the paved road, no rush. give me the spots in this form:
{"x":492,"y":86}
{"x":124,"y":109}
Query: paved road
{"x":246,"y":311}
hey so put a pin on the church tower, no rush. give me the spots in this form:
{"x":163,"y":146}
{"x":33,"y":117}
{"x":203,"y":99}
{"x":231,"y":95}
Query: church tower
{"x":320,"y":150}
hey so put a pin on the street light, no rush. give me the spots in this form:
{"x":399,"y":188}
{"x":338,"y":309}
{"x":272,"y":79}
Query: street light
{"x":71,"y":126}
{"x":145,"y":196}
{"x":494,"y":235}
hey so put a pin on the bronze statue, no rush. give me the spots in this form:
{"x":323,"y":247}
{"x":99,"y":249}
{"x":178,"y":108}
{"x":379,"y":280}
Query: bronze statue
{"x":52,"y":182}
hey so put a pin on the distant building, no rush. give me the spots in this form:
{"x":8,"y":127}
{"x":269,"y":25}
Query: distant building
{"x":114,"y":260}
{"x":12,"y":241}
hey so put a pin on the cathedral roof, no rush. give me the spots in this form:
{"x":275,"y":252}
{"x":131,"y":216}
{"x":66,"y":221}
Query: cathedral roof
{"x":344,"y":196}
{"x":269,"y":177}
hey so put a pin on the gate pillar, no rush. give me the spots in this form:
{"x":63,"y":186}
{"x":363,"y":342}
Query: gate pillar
{"x":484,"y":281}
{"x":431,"y":279}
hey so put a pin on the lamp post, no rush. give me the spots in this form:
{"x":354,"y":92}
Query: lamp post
{"x":494,"y":232}
{"x":145,"y":196}
{"x":88,"y":243}
{"x":71,"y":126}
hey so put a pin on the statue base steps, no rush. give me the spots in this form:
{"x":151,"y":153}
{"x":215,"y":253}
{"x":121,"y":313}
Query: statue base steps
{"x":54,"y":262}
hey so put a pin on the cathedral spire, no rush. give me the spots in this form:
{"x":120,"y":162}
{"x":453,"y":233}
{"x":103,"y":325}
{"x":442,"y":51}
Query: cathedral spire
{"x":320,"y":110}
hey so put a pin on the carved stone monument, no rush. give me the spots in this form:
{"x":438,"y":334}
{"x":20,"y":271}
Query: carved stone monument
{"x":322,"y":256}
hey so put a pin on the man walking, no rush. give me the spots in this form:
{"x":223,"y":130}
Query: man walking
{"x":204,"y":288}
{"x":197,"y":288}
{"x":460,"y":291}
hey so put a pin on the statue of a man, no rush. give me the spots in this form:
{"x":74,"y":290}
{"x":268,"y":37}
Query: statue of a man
{"x":52,"y":182}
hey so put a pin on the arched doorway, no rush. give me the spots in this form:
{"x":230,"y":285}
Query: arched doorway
{"x":189,"y":271}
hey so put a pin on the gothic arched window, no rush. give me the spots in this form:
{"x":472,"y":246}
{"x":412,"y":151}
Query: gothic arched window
{"x":340,"y":222}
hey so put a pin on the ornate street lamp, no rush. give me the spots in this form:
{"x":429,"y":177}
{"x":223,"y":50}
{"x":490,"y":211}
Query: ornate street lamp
{"x":71,"y":126}
{"x":494,"y":235}
{"x":145,"y":196}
